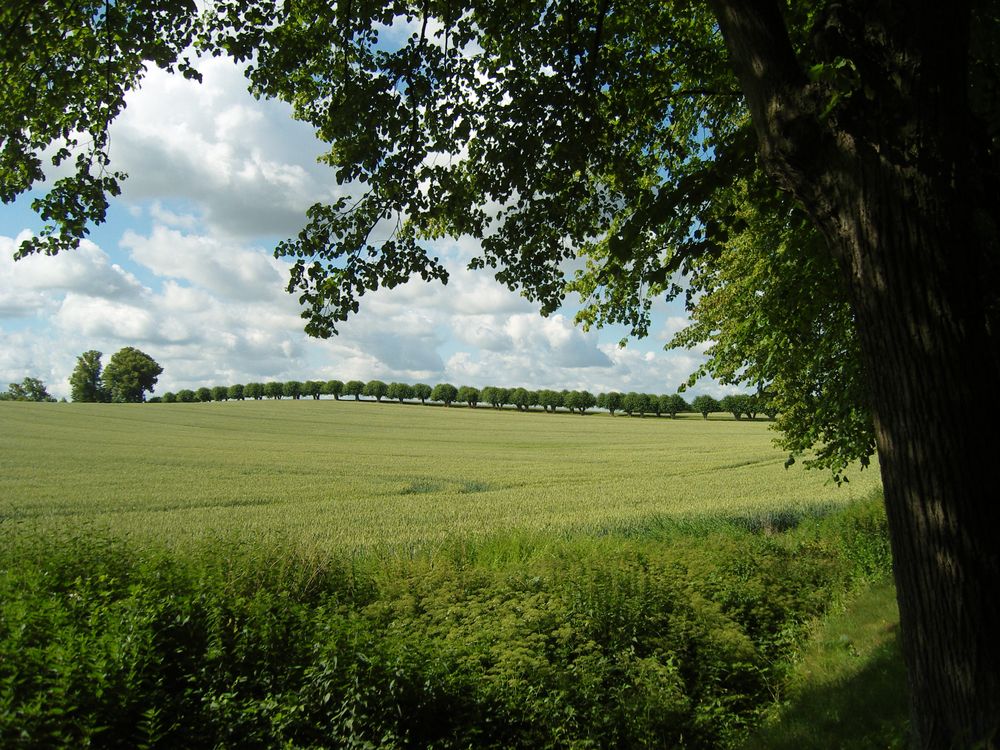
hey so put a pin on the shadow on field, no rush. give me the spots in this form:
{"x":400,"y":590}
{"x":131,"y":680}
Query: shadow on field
{"x":864,"y":710}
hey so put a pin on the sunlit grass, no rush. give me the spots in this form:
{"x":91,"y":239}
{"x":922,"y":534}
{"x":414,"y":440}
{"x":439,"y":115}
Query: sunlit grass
{"x":366,"y":475}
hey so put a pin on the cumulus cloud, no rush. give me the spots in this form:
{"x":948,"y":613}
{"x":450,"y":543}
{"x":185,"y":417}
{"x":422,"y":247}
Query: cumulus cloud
{"x":648,"y":371}
{"x":487,"y":332}
{"x":221,"y":267}
{"x":218,"y":315}
{"x":557,"y":339}
{"x":26,"y":354}
{"x":250,"y":168}
{"x":32,"y":284}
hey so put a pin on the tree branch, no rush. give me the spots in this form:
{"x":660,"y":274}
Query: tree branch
{"x":774,"y":84}
{"x":761,"y":54}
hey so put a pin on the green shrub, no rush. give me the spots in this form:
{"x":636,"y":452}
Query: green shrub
{"x":675,"y":638}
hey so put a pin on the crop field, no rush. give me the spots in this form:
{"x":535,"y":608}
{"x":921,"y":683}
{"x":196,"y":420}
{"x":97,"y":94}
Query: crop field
{"x":360,"y":475}
{"x":320,"y":574}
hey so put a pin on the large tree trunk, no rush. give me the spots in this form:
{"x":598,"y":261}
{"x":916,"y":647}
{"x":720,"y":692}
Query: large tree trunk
{"x":931,"y":363}
{"x":911,"y":216}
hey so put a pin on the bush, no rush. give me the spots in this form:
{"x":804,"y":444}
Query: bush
{"x":670,"y":637}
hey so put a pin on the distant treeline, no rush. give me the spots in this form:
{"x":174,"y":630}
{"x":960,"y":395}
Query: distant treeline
{"x":631,"y":403}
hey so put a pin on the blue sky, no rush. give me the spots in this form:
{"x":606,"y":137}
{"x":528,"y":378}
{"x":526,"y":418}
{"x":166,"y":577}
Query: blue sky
{"x":183,"y":270}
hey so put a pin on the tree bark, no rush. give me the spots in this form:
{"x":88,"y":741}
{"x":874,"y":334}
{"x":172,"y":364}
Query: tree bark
{"x":908,"y":211}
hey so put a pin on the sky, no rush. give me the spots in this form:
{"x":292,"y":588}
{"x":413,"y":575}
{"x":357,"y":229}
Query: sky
{"x":183,"y":270}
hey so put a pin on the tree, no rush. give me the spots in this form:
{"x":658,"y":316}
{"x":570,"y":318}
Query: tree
{"x":673,"y":405}
{"x":186,"y":396}
{"x":399,"y":391}
{"x":569,"y":400}
{"x":292,"y":389}
{"x":204,"y":394}
{"x":636,"y":403}
{"x":519,"y":398}
{"x":731,"y":404}
{"x":579,"y":401}
{"x":334,"y":388}
{"x":488,"y":395}
{"x":129,"y":374}
{"x":254,"y":391}
{"x":236,"y":392}
{"x":550,"y":399}
{"x":809,"y":362}
{"x":705,"y":405}
{"x":274,"y":389}
{"x":169,"y":397}
{"x":641,"y":139}
{"x":313,"y":388}
{"x":654,"y":403}
{"x":85,"y":384}
{"x":445,"y":393}
{"x":612,"y":401}
{"x":767,"y":404}
{"x":738,"y":404}
{"x":29,"y":389}
{"x":422,"y":391}
{"x":376,"y":389}
{"x":468,"y":395}
{"x":220,"y":393}
{"x":354,"y":388}
{"x":501,"y":397}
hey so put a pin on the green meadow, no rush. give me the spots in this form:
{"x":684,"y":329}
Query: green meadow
{"x":316,"y":574}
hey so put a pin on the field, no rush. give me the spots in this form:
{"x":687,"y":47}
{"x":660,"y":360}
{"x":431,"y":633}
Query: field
{"x":363,"y":475}
{"x":314,"y":574}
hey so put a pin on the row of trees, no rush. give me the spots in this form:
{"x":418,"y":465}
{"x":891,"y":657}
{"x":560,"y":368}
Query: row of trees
{"x":130,"y":373}
{"x":632,"y":403}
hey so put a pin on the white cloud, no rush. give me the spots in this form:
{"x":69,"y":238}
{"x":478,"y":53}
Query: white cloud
{"x":25,"y":354}
{"x":32,"y":285}
{"x":93,"y":317}
{"x":219,"y":266}
{"x":250,"y":168}
{"x":556,"y":339}
{"x":488,"y":332}
{"x":673,"y":325}
{"x":169,"y":218}
{"x":648,"y":371}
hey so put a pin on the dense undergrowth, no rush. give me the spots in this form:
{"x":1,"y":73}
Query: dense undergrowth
{"x":678,"y":634}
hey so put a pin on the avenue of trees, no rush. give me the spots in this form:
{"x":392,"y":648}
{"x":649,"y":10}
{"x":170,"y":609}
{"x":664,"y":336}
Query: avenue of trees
{"x":741,"y":406}
{"x":826,"y":174}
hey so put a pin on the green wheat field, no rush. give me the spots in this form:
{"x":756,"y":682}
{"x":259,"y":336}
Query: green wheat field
{"x":324,"y":574}
{"x":362,"y":474}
